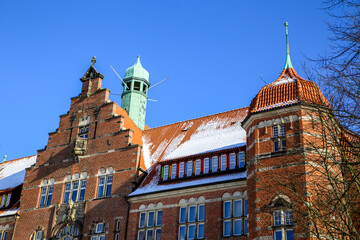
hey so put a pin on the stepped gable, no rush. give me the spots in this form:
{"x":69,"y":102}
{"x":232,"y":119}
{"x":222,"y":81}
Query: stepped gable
{"x":288,"y":89}
{"x":12,"y":173}
{"x":196,"y":136}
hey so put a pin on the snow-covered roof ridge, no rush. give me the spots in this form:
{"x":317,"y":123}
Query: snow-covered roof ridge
{"x":193,"y":119}
{"x":12,"y":173}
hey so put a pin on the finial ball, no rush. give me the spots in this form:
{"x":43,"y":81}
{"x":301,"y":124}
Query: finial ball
{"x":286,"y":24}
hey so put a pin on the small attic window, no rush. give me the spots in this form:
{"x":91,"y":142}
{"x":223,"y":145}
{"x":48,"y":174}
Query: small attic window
{"x":137,"y":86}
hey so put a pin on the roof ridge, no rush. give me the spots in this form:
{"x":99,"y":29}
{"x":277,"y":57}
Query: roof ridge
{"x":13,"y":160}
{"x":197,"y":118}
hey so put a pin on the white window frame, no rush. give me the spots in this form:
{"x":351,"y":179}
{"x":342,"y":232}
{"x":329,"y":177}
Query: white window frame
{"x":173,"y":170}
{"x":189,"y":169}
{"x":232,"y":161}
{"x":181,"y":169}
{"x":223,"y":162}
{"x":214,"y":164}
{"x":206,"y":165}
{"x":197,"y":166}
{"x":231,"y":217}
{"x":185,"y":211}
{"x":105,"y":185}
{"x":72,"y":190}
{"x":154,"y":227}
{"x":166,"y":172}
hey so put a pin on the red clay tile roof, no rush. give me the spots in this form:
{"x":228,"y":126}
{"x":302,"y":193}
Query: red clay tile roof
{"x":196,"y":136}
{"x":288,"y":89}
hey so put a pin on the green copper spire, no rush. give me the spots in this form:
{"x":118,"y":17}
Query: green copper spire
{"x":137,"y":71}
{"x":288,"y":63}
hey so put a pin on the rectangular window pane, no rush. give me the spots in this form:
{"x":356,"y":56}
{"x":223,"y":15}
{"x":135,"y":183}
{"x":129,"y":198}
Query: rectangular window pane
{"x":206,"y":165}
{"x":282,"y":130}
{"x":108,"y":185}
{"x":150,"y":222}
{"x":245,"y":207}
{"x":191,"y":232}
{"x":159,"y":218}
{"x":182,"y":231}
{"x":288,"y":218}
{"x":245,"y":226}
{"x":118,"y":224}
{"x":201,"y":213}
{"x":277,"y":218}
{"x":200,"y":231}
{"x":141,"y":235}
{"x":227,"y":209}
{"x":227,"y":228}
{"x":278,"y":235}
{"x":215,"y":164}
{"x":8,"y":200}
{"x":197,"y":167}
{"x":42,"y":197}
{"x":290,"y":234}
{"x":67,"y":192}
{"x":182,"y":215}
{"x":275,"y":131}
{"x":237,"y":208}
{"x":166,"y":172}
{"x":223,"y":162}
{"x":237,"y":227}
{"x":5,"y":236}
{"x":82,"y":190}
{"x":192,"y":214}
{"x":149,"y":234}
{"x":158,"y":234}
{"x":232,"y":160}
{"x":181,"y":170}
{"x":101,"y":187}
{"x":276,"y":146}
{"x":49,"y":196}
{"x":75,"y":189}
{"x":283,"y":145}
{"x":142,"y":220}
{"x":189,"y":168}
{"x":173,"y":171}
{"x":241,"y":156}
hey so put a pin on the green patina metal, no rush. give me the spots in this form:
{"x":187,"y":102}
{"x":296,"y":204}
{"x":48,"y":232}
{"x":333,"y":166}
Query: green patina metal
{"x":134,"y":96}
{"x":4,"y":160}
{"x":288,"y":63}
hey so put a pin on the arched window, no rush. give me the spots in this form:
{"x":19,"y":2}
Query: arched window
{"x":70,"y":231}
{"x":37,"y":235}
{"x":75,"y":187}
{"x":105,"y":182}
{"x":4,"y":232}
{"x":98,"y":231}
{"x":282,"y":219}
{"x":150,"y":221}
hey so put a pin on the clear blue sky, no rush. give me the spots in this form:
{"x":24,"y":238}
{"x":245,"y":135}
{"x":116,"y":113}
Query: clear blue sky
{"x":213,"y":51}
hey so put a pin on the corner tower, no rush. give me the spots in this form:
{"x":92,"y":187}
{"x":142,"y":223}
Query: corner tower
{"x":134,"y":97}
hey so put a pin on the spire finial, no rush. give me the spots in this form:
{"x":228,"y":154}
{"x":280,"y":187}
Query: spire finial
{"x":288,"y":63}
{"x":93,"y":60}
{"x":5,"y":156}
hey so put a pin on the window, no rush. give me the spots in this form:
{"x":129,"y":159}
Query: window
{"x":279,"y":134}
{"x":83,"y":132}
{"x":235,"y":217}
{"x":104,"y":186}
{"x":189,"y":168}
{"x":166,"y":172}
{"x":117,"y":229}
{"x":214,"y":164}
{"x":137,"y":86}
{"x":69,"y":231}
{"x":241,"y":156}
{"x":38,"y":235}
{"x":232,"y":160}
{"x":4,"y":233}
{"x":223,"y":162}
{"x":45,"y":196}
{"x":197,"y":167}
{"x":283,"y":221}
{"x":152,"y":228}
{"x":192,"y":220}
{"x":206,"y":165}
{"x":173,"y":171}
{"x":5,"y":201}
{"x":181,"y":169}
{"x":98,"y":232}
{"x":74,"y":190}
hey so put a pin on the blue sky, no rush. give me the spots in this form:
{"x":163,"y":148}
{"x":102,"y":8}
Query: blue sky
{"x":215,"y":53}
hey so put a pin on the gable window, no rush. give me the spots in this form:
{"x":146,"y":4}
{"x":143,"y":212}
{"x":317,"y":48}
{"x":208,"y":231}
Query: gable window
{"x":181,"y":169}
{"x":46,"y":192}
{"x":197,"y":167}
{"x":150,"y":225}
{"x":192,"y":220}
{"x":223,"y":162}
{"x":206,"y":165}
{"x":75,"y":189}
{"x":215,"y":164}
{"x":104,"y":186}
{"x":173,"y":171}
{"x":235,"y":217}
{"x":241,"y":157}
{"x":189,"y":168}
{"x":279,"y":138}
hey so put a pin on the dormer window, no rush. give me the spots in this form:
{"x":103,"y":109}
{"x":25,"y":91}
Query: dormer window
{"x":5,"y":200}
{"x":166,"y":172}
{"x":223,"y":162}
{"x":197,"y":167}
{"x":241,"y":157}
{"x":206,"y":165}
{"x":279,"y":133}
{"x":181,"y":169}
{"x":173,"y":171}
{"x":232,"y":160}
{"x":189,"y":168}
{"x":214,"y":164}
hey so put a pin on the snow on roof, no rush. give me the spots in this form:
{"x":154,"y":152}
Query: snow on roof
{"x":201,"y":135}
{"x":9,"y":212}
{"x":12,"y":173}
{"x":153,"y":183}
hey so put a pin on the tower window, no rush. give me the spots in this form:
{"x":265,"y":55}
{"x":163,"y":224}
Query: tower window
{"x":137,"y":86}
{"x":144,"y":88}
{"x":279,"y":138}
{"x":128,"y":86}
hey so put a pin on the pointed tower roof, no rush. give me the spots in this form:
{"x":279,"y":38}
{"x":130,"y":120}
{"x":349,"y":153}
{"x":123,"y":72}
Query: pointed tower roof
{"x":288,"y":89}
{"x":137,"y":71}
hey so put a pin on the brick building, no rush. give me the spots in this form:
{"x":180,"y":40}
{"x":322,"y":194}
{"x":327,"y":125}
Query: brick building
{"x":105,"y":175}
